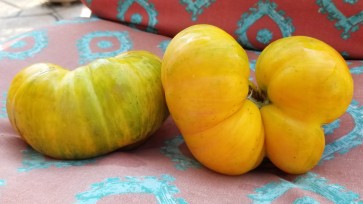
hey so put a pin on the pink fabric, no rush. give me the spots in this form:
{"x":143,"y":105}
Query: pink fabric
{"x":162,"y":170}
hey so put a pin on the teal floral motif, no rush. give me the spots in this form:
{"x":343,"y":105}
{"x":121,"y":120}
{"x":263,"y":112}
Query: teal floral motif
{"x":33,"y":160}
{"x":345,"y":54}
{"x":353,"y":139}
{"x":195,"y":7}
{"x":77,"y":20}
{"x":347,"y":24}
{"x":252,"y":68}
{"x":164,"y":44}
{"x":329,"y":128}
{"x":351,"y":1}
{"x":253,"y":65}
{"x":171,"y":150}
{"x":136,"y":18}
{"x":104,"y":44}
{"x":306,"y":200}
{"x":103,"y":37}
{"x":264,"y":36}
{"x":357,"y":69}
{"x":3,"y":113}
{"x":308,"y":182}
{"x":263,"y":8}
{"x":160,"y":187}
{"x":25,"y":45}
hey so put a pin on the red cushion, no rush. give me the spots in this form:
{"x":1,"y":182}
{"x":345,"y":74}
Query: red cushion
{"x":253,"y":23}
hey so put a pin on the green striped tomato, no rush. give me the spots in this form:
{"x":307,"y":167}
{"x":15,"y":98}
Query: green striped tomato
{"x":90,"y":111}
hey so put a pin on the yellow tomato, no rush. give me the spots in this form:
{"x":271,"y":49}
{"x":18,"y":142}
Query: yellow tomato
{"x":90,"y":111}
{"x":205,"y":75}
{"x":308,"y":84}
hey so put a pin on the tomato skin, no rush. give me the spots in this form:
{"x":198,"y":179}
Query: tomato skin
{"x":293,"y":145}
{"x":308,"y":84}
{"x":205,"y":76}
{"x":90,"y":111}
{"x":234,"y":146}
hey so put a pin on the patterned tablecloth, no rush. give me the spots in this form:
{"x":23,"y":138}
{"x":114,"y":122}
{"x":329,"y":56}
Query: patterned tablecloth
{"x":162,"y":170}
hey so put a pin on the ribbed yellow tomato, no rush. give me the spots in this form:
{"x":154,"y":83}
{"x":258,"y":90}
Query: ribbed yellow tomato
{"x":303,"y":83}
{"x":308,"y":84}
{"x":205,"y":75}
{"x":92,"y":110}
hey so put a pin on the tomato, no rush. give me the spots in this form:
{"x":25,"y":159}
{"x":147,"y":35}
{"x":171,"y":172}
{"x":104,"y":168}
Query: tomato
{"x":307,"y":84}
{"x":230,"y":124}
{"x":205,"y":75}
{"x":90,"y":111}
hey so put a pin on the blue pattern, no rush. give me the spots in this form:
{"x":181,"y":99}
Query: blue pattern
{"x":253,"y":65}
{"x":77,"y":20}
{"x":345,"y":54}
{"x":329,"y":128}
{"x":164,"y":44}
{"x":306,"y":200}
{"x":136,"y":18}
{"x":2,"y":182}
{"x":357,"y":69}
{"x":3,"y":113}
{"x":85,"y":50}
{"x":264,"y":36}
{"x":309,"y":182}
{"x":35,"y":40}
{"x":195,"y":7}
{"x":351,"y":1}
{"x":171,"y":150}
{"x":104,"y":44}
{"x":347,"y":24}
{"x":264,"y":8}
{"x":347,"y":142}
{"x":160,"y":187}
{"x":33,"y":160}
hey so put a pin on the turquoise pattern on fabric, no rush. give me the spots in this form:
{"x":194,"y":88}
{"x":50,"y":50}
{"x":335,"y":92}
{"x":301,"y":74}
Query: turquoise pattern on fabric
{"x":2,"y":182}
{"x":348,"y":24}
{"x":263,"y":8}
{"x":351,"y":1}
{"x":264,"y":36}
{"x":38,"y":38}
{"x":345,"y":54}
{"x":3,"y":112}
{"x":329,"y":128}
{"x":171,"y":150}
{"x":357,"y":69}
{"x":160,"y":187}
{"x":85,"y":50}
{"x":253,"y":65}
{"x":136,"y":18}
{"x":196,"y":7}
{"x":77,"y":21}
{"x":308,"y":182}
{"x":33,"y":160}
{"x":163,"y":45}
{"x":104,"y":44}
{"x":306,"y":200}
{"x":347,"y":142}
